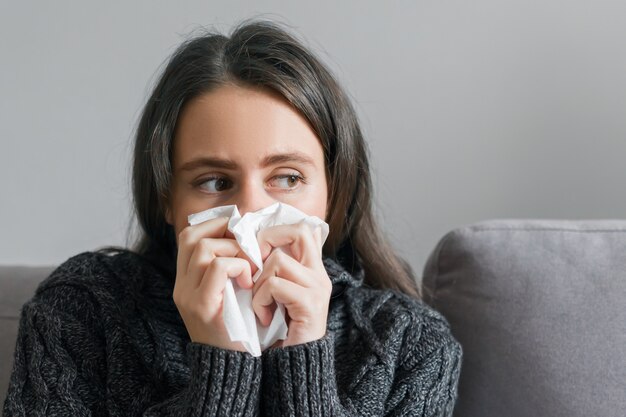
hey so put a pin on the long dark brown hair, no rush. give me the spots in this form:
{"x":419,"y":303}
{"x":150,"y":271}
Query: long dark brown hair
{"x":263,"y":54}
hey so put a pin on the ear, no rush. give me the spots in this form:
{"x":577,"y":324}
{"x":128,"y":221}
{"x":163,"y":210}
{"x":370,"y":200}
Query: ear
{"x":169,"y":218}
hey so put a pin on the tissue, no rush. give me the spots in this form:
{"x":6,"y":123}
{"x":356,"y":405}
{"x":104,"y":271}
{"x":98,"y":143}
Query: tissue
{"x":240,"y":321}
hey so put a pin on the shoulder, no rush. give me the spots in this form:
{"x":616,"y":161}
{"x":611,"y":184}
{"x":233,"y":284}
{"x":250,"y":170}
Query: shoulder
{"x":402,"y":324}
{"x":87,"y":270}
{"x":95,"y":276}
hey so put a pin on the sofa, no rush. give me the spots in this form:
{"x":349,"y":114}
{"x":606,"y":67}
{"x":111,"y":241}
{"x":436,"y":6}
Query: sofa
{"x":539,"y":307}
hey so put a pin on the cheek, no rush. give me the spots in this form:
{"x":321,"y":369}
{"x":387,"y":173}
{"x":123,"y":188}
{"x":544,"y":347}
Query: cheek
{"x":318,"y":204}
{"x":184,"y":204}
{"x":179,"y":221}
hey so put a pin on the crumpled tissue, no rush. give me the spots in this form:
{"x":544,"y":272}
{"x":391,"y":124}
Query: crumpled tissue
{"x":239,"y":318}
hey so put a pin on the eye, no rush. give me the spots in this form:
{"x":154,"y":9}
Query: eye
{"x":289,"y":181}
{"x":214,"y":184}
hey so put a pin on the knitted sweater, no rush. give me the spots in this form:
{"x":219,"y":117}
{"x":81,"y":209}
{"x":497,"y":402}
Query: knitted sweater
{"x":103,"y":337}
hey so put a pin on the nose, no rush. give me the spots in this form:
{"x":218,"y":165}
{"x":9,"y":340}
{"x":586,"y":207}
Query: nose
{"x":252,"y":196}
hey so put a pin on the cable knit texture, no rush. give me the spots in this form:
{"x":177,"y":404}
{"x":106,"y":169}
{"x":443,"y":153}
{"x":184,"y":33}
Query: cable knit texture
{"x":102,"y":337}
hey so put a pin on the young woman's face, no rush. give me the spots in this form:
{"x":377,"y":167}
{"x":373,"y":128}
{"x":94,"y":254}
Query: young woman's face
{"x":248,"y":147}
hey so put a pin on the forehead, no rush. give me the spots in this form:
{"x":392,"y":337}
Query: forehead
{"x":240,"y":122}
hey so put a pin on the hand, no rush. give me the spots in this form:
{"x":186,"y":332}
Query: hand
{"x":299,"y":281}
{"x":206,"y":260}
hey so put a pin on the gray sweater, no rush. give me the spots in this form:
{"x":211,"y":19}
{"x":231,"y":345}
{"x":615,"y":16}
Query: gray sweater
{"x":102,"y":337}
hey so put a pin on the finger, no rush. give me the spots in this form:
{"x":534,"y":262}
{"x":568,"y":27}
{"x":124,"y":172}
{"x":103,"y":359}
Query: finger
{"x":190,"y":235}
{"x":274,"y":289}
{"x":297,"y":237}
{"x":221,"y":269}
{"x":284,"y":266}
{"x":206,"y":250}
{"x":243,"y":255}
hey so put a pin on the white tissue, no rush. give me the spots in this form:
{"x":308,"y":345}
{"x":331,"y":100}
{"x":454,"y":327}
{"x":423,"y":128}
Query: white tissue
{"x":239,"y":318}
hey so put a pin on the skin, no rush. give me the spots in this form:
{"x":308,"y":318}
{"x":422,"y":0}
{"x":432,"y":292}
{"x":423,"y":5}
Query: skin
{"x":258,"y":150}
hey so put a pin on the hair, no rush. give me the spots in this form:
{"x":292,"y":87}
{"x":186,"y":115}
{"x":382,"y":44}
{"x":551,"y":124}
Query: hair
{"x":261,"y":54}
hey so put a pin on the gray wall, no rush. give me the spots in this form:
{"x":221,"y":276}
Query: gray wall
{"x":473,"y":109}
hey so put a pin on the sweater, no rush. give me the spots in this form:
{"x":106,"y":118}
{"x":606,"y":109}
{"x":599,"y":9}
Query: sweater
{"x":103,"y":337}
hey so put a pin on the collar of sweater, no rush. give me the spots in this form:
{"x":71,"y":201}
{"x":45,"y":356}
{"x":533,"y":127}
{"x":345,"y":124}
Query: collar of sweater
{"x":341,"y":277}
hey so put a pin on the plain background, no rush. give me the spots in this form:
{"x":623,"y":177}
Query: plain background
{"x":473,"y":110}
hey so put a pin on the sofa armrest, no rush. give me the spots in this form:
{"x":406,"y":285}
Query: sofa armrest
{"x":539,"y":308}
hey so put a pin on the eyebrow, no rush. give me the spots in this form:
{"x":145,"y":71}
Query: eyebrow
{"x":224,"y":163}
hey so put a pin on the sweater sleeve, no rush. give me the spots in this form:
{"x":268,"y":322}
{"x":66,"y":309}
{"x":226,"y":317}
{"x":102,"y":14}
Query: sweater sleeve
{"x":223,"y":383}
{"x":426,"y":380}
{"x":60,"y":368}
{"x":300,"y":380}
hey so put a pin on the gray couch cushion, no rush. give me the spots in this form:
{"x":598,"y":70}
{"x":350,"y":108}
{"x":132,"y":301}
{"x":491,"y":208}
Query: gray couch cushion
{"x":17,"y":285}
{"x":540,"y":310}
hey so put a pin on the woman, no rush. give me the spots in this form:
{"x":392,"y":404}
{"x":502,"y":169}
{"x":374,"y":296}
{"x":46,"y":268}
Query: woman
{"x":251,"y":119}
